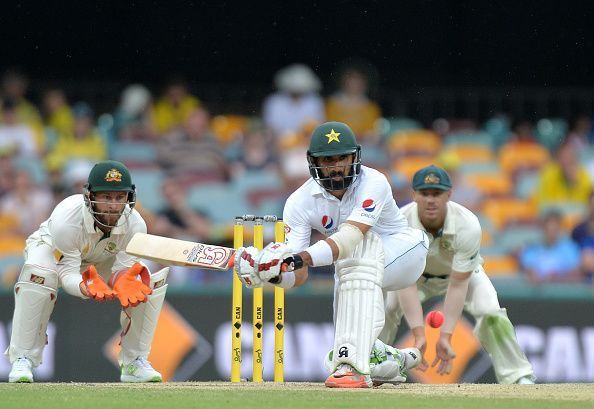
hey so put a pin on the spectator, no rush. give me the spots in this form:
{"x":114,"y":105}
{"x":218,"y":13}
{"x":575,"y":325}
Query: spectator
{"x":134,"y":116}
{"x":556,"y":258}
{"x":583,"y":235}
{"x":254,"y":153}
{"x":291,"y":114}
{"x":173,"y":109}
{"x":194,"y":154}
{"x":57,"y":112}
{"x":580,"y":131}
{"x":14,"y":87}
{"x":177,"y":219}
{"x":563,"y":179}
{"x":29,"y":203}
{"x":16,"y":135}
{"x":84,"y":143}
{"x":350,"y":103}
{"x":297,"y":103}
{"x":7,"y":171}
{"x":522,"y":132}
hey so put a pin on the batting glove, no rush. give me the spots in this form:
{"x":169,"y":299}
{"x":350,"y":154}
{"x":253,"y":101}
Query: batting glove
{"x":271,"y":260}
{"x":245,"y":266}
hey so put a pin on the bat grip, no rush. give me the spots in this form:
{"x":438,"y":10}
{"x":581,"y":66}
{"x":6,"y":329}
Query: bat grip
{"x":292,"y":263}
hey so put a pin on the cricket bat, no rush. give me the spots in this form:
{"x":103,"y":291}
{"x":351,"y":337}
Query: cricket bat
{"x":168,"y":251}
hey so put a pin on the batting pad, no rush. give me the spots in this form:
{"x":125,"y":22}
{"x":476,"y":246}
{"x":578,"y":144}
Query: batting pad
{"x":139,"y":323}
{"x":33,"y":307}
{"x":360,"y":307}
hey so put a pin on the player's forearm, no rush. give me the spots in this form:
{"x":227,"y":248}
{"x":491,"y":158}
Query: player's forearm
{"x":411,"y":307}
{"x":454,"y":302}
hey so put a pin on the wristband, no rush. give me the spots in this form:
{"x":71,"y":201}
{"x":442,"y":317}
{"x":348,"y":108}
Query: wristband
{"x":321,"y":254}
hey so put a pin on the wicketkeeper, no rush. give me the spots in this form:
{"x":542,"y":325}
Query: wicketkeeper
{"x":81,"y":249}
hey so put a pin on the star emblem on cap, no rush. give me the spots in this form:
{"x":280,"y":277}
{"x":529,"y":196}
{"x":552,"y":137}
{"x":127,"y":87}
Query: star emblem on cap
{"x":333,"y":136}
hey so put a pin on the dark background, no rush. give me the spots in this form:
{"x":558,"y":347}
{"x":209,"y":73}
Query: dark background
{"x":412,"y":43}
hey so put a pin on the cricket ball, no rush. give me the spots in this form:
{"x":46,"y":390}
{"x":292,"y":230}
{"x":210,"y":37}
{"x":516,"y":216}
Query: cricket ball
{"x":435,"y":319}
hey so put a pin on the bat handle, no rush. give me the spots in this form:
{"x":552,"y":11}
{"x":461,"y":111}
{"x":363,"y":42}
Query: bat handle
{"x":292,"y":263}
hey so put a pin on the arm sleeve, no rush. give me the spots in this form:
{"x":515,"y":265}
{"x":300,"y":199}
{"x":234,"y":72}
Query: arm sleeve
{"x":66,"y":239}
{"x":297,"y":229}
{"x":370,"y":201}
{"x":468,"y":245}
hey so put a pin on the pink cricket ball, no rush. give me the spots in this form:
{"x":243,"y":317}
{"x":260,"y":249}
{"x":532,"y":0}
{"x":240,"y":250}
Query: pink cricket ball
{"x":435,"y":319}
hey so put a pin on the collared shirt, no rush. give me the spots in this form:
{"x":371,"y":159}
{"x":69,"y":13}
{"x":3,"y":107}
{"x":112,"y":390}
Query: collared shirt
{"x":457,"y":246}
{"x":559,"y":258}
{"x":368,"y":200}
{"x":77,"y":243}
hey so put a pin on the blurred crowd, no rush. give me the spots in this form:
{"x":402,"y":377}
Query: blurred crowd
{"x":529,"y":180}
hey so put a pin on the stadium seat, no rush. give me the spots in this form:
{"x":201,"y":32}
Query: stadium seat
{"x":11,"y":244}
{"x":490,"y":184}
{"x":474,"y":168}
{"x":468,"y":138}
{"x":257,"y":180}
{"x":221,"y":202}
{"x":515,"y":159}
{"x":406,"y":166}
{"x":468,"y":153}
{"x":148,"y":187}
{"x":526,"y":185}
{"x":135,"y":155}
{"x":228,"y":127}
{"x":503,"y":212}
{"x":388,"y":126}
{"x":501,"y":265}
{"x":35,"y":169}
{"x":414,"y":142}
{"x":513,"y":238}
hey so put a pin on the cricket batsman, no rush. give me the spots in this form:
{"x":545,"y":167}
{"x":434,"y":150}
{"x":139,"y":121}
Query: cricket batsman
{"x":80,"y":248}
{"x":454,"y":268}
{"x":367,"y":239}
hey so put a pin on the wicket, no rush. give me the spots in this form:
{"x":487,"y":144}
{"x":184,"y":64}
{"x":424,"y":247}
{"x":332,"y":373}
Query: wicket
{"x":257,"y":307}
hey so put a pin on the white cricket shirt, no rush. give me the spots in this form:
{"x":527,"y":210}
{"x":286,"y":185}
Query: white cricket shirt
{"x":457,"y":246}
{"x":368,"y":200}
{"x":76,"y":243}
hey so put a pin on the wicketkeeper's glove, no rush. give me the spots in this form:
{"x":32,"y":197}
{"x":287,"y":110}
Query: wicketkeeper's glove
{"x":129,"y":290}
{"x":95,"y":287}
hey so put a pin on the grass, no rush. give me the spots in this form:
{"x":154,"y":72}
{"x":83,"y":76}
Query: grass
{"x":181,"y":395}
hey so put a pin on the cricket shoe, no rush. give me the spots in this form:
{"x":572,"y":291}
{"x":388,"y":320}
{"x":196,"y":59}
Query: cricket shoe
{"x":346,"y":376}
{"x":391,"y":365}
{"x":21,"y":371}
{"x":525,"y":380}
{"x":140,"y":370}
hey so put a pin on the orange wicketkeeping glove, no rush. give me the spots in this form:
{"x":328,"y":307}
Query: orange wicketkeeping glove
{"x":129,"y":290}
{"x":95,"y":286}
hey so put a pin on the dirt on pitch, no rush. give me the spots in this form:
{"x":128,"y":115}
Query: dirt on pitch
{"x":571,"y":392}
